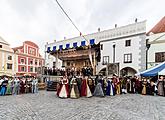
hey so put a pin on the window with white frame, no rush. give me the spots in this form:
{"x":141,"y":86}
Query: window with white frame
{"x":105,"y":60}
{"x":9,"y":66}
{"x":128,"y":43}
{"x":128,"y":58}
{"x":23,"y":69}
{"x":22,"y":60}
{"x":9,"y":57}
{"x":31,"y":69}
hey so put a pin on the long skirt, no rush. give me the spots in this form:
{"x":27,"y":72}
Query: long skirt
{"x":9,"y":90}
{"x":98,"y":91}
{"x":74,"y":92}
{"x":64,"y":93}
{"x":160,"y":88}
{"x":144,"y":90}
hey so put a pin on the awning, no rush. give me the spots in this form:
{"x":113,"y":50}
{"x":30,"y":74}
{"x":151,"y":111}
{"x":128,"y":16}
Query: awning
{"x":153,"y":71}
{"x":162,"y":72}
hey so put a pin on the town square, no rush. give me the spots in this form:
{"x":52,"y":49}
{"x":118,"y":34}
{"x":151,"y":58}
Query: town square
{"x":82,"y":60}
{"x":47,"y":106}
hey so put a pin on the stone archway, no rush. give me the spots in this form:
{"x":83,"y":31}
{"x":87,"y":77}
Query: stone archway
{"x":128,"y":71}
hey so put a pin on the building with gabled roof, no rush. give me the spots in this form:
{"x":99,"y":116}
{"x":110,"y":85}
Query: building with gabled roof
{"x":29,"y":60}
{"x":156,"y":43}
{"x":7,"y":59}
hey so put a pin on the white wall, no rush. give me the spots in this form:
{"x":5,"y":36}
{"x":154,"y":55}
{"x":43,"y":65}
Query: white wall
{"x":157,"y":42}
{"x":120,"y":50}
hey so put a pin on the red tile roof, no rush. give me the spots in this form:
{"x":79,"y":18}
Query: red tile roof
{"x":159,"y":27}
{"x":16,"y":48}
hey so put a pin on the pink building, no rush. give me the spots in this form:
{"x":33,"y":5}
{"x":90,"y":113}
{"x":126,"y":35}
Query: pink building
{"x":28,"y":60}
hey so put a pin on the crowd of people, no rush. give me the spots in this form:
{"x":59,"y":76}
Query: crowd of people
{"x":15,"y":86}
{"x":86,"y":71}
{"x":75,"y":87}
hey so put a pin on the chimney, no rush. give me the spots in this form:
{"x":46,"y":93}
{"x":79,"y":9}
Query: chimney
{"x":54,"y":40}
{"x":136,"y":20}
{"x":98,"y":29}
{"x":64,"y":38}
{"x":80,"y":33}
{"x":115,"y":25}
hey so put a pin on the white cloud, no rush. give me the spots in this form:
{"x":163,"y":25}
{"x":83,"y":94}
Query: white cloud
{"x":43,"y":21}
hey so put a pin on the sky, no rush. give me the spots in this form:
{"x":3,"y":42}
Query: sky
{"x":42,"y":21}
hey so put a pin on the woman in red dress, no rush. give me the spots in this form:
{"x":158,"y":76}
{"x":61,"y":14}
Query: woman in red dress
{"x":64,"y":92}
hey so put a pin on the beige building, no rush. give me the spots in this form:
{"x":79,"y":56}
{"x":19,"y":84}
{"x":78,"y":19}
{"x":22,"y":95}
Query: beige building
{"x":7,"y":59}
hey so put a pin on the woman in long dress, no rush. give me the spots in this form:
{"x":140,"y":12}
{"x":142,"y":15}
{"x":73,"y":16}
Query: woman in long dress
{"x":144,"y":84}
{"x":110,"y":91}
{"x":74,"y":93}
{"x":64,"y":92}
{"x":85,"y":91}
{"x":161,"y":86}
{"x":98,"y":90}
{"x":9,"y":87}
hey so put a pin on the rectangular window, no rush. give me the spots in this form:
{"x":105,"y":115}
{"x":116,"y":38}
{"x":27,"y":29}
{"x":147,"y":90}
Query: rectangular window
{"x":31,"y":69}
{"x":36,"y":62}
{"x":128,"y":58}
{"x":36,"y":69}
{"x":128,"y":43}
{"x":23,"y":69}
{"x":0,"y":46}
{"x":105,"y":60}
{"x":31,"y":62}
{"x":160,"y":57}
{"x":9,"y":57}
{"x":101,"y":46}
{"x":22,"y":61}
{"x":9,"y":66}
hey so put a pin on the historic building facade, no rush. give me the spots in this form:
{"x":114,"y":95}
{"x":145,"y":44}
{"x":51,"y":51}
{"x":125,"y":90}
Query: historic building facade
{"x":156,"y":44}
{"x":123,"y":52}
{"x":29,"y":61}
{"x":7,"y":59}
{"x":122,"y":46}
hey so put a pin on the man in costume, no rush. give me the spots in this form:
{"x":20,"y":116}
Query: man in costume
{"x":4,"y":87}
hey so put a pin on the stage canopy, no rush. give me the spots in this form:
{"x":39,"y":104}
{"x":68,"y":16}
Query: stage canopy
{"x":154,"y":70}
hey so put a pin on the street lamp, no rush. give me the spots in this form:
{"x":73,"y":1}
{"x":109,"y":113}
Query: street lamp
{"x":114,"y":46}
{"x":147,"y":48}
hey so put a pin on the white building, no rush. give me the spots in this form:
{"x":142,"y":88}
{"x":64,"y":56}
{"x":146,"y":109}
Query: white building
{"x":126,"y":46}
{"x":129,"y":42}
{"x":7,"y":59}
{"x":156,"y":42}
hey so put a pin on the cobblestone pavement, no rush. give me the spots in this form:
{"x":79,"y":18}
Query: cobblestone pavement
{"x":46,"y":106}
